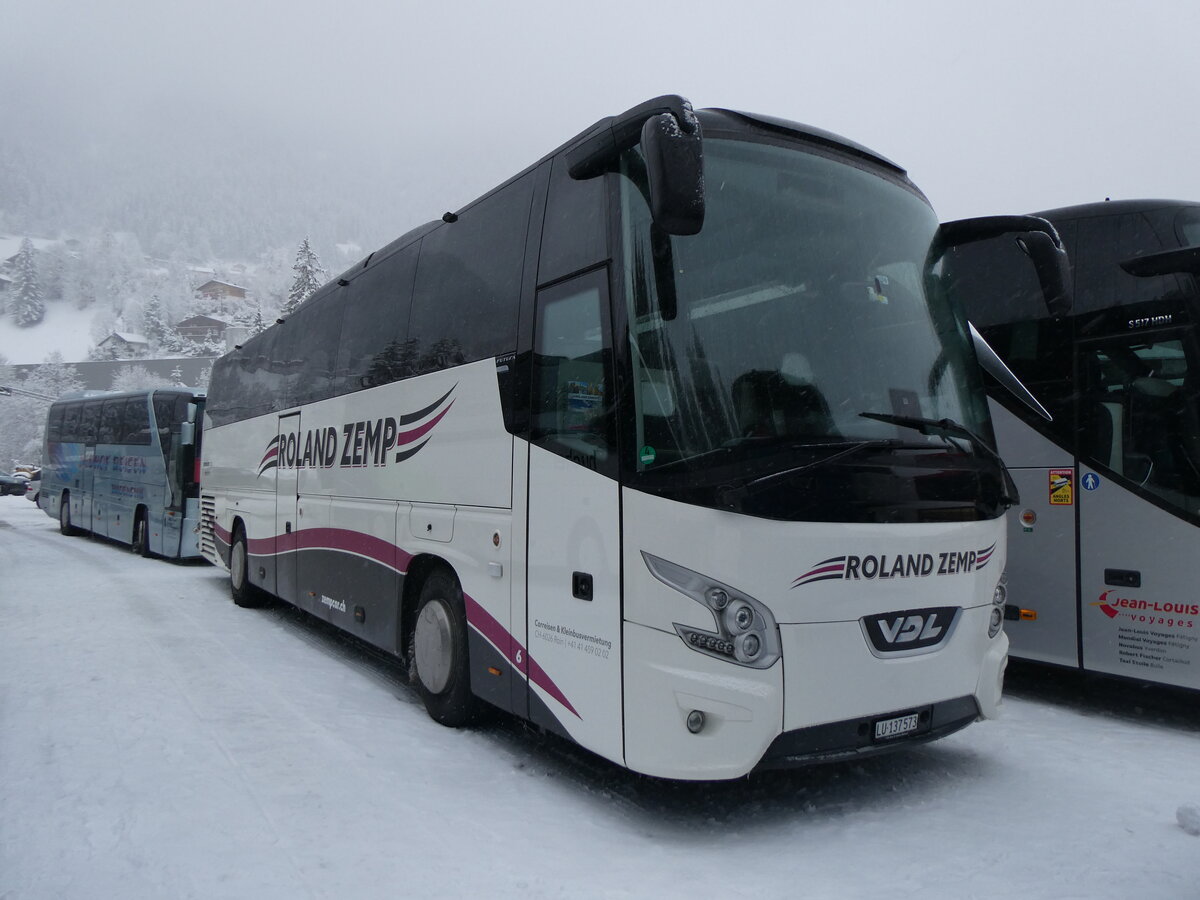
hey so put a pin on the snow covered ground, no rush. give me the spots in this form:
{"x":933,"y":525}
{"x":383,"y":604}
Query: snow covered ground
{"x":65,"y":330}
{"x":156,"y":741}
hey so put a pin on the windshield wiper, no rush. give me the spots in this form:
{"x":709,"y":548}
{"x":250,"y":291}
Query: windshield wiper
{"x":730,"y":493}
{"x":948,"y":428}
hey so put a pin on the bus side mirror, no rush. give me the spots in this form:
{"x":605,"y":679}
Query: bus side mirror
{"x":187,"y":434}
{"x":1035,"y":236}
{"x":675,"y":173}
{"x":1053,"y":270}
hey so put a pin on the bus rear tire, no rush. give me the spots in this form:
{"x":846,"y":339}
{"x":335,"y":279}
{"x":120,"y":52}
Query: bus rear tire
{"x":141,"y":538}
{"x":64,"y":517}
{"x":438,"y":657}
{"x":244,"y":594}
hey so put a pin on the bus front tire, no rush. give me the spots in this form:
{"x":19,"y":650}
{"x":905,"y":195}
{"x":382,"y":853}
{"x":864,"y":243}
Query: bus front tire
{"x":64,"y":517}
{"x":438,"y":658}
{"x":244,"y":594}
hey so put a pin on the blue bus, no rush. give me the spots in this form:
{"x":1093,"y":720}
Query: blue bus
{"x":126,"y":466}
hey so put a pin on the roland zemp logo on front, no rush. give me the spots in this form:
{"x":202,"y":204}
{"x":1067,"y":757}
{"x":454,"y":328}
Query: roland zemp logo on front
{"x":910,"y":631}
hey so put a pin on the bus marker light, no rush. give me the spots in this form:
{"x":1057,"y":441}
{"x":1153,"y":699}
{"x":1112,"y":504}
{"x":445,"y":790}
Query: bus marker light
{"x":695,"y":721}
{"x":1029,"y":615}
{"x":492,"y":670}
{"x":360,"y":614}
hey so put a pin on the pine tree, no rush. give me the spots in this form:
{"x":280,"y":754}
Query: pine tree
{"x":310,"y":275}
{"x":26,"y":307}
{"x":154,"y":325}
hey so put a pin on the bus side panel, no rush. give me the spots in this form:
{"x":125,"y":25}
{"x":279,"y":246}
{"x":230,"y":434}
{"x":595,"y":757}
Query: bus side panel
{"x":1041,"y":572}
{"x":1041,"y":568}
{"x":1150,"y":630}
{"x":574,"y":603}
{"x":349,"y":567}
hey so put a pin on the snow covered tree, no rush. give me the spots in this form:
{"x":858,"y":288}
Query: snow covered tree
{"x":23,"y":419}
{"x":154,"y":325}
{"x":137,"y":377}
{"x":26,"y":306}
{"x":310,"y":275}
{"x":252,"y":319}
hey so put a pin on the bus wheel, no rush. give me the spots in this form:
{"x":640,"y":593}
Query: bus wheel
{"x":64,"y":516}
{"x":438,"y":655}
{"x":245,"y":594}
{"x":141,"y":539}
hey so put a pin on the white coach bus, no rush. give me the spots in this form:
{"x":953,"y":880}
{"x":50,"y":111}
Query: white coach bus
{"x":672,"y":444}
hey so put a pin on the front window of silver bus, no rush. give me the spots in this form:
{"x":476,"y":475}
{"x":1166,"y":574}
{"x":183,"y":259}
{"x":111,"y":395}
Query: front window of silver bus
{"x":778,"y":359}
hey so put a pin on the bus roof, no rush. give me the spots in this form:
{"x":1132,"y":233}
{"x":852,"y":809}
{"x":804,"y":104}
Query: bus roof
{"x":1111,"y":208}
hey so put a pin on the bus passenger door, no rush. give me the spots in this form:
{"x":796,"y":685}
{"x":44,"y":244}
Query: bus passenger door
{"x":1139,"y":497}
{"x":574,"y":577}
{"x":87,"y":477}
{"x":286,"y":503}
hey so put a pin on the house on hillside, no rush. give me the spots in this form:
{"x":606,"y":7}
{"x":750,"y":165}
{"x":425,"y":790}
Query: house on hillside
{"x":6,"y":284}
{"x":201,"y":328}
{"x":124,"y":345}
{"x":221,"y":291}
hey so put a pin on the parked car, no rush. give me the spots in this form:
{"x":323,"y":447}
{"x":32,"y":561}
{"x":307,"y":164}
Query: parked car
{"x":10,"y":484}
{"x":33,"y":487}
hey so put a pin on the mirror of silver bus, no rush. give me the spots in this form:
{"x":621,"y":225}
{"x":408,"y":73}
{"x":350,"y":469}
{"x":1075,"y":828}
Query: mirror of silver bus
{"x":1183,"y":260}
{"x":1034,"y":235}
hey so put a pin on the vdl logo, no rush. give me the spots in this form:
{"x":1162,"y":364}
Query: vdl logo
{"x":910,"y":631}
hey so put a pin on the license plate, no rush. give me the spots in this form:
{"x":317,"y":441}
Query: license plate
{"x":893,"y":728}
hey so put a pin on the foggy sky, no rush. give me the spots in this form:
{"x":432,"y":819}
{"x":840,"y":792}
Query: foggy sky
{"x":993,"y":108}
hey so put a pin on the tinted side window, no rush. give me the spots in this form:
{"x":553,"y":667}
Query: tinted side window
{"x":110,"y":422}
{"x":574,"y":232}
{"x":163,"y":414}
{"x":315,"y":327}
{"x":71,"y":422}
{"x":1103,"y":243}
{"x":54,"y":423}
{"x":285,"y":364}
{"x":572,"y":407}
{"x":89,"y":421}
{"x":469,"y":281}
{"x":136,"y":421}
{"x":373,"y":348}
{"x":221,"y":389}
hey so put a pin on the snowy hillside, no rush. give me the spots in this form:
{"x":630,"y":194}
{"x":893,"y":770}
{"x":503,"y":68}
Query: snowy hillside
{"x":64,"y":330}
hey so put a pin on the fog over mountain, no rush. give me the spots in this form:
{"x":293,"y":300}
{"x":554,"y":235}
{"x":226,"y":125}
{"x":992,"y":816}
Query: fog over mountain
{"x":195,"y":179}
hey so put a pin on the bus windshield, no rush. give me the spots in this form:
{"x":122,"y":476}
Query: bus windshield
{"x":804,"y":302}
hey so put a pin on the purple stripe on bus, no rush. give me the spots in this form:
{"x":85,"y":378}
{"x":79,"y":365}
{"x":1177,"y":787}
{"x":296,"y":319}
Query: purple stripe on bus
{"x":340,"y":539}
{"x":487,"y":625}
{"x":407,"y":437}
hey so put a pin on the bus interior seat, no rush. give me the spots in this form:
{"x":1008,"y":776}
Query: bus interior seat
{"x":769,"y":404}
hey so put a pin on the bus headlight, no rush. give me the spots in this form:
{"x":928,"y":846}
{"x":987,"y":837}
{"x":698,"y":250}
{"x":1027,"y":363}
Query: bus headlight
{"x":745,"y":630}
{"x":999,"y":598}
{"x":1000,"y":595}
